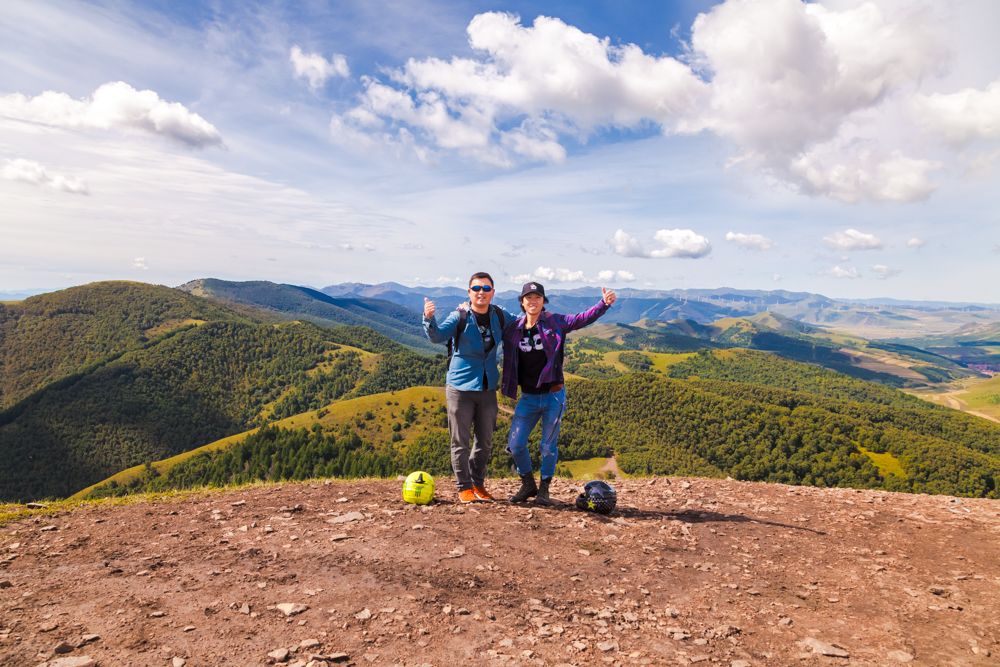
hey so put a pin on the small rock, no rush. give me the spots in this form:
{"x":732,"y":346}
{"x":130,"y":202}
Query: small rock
{"x":36,"y":506}
{"x":787,"y":622}
{"x":338,"y":657}
{"x":63,"y":647}
{"x":739,"y":663}
{"x":291,"y":608}
{"x":279,"y":654}
{"x":339,"y":537}
{"x":158,"y":614}
{"x":178,"y":661}
{"x":823,"y":648}
{"x":346,"y":518}
{"x":607,"y":646}
{"x":457,"y":552}
{"x":73,"y":661}
{"x":238,"y":503}
{"x":4,"y":583}
{"x":583,"y":552}
{"x":245,"y":609}
{"x":188,"y":628}
{"x":899,"y":656}
{"x":47,"y":529}
{"x":364,"y":614}
{"x":48,"y":627}
{"x":88,"y":639}
{"x":306,"y":644}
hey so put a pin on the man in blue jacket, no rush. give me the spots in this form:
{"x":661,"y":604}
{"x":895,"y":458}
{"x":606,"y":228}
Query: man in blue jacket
{"x":472,"y":382}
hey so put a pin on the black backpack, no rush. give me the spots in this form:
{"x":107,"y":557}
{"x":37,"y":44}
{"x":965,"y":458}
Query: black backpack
{"x":463,"y":317}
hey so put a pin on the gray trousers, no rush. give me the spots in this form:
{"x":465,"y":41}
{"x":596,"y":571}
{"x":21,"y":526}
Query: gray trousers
{"x":468,"y":411}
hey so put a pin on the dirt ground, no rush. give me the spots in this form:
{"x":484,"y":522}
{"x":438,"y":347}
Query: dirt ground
{"x":686,"y":571}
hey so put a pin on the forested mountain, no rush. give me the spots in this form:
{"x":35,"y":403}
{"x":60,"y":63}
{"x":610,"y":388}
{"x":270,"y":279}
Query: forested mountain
{"x":739,"y":413}
{"x":292,"y":302}
{"x":194,"y":386}
{"x":46,"y":337}
{"x":892,"y":364}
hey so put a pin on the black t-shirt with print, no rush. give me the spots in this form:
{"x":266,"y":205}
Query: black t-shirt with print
{"x":531,"y":361}
{"x":485,"y":330}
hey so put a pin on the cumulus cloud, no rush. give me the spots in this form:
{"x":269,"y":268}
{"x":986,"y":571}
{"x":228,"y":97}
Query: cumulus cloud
{"x":789,"y":83}
{"x":882,"y":271}
{"x":28,"y":171}
{"x":750,"y":241}
{"x":671,"y":243}
{"x":609,"y":276}
{"x":848,"y":272}
{"x":315,"y":68}
{"x":916,"y":242}
{"x":552,"y":275}
{"x":852,"y":239}
{"x":962,"y":116}
{"x":140,"y":263}
{"x":114,"y":105}
{"x":527,"y":87}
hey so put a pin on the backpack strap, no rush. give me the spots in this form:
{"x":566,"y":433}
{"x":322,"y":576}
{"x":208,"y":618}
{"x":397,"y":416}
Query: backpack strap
{"x":463,"y":316}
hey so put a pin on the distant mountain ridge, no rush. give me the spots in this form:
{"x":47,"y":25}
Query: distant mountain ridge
{"x":286,"y":302}
{"x":872,"y":318}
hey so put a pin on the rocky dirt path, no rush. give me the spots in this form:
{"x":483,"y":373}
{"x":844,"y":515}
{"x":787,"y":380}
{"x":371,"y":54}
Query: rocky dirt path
{"x":711,"y":572}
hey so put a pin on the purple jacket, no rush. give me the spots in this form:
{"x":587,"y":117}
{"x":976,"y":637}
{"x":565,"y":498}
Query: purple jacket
{"x":553,"y":328}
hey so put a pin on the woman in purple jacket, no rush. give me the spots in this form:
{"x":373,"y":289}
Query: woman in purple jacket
{"x":533,"y":349}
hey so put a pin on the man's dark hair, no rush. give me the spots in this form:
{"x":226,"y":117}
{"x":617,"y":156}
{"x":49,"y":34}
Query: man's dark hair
{"x":482,"y":274}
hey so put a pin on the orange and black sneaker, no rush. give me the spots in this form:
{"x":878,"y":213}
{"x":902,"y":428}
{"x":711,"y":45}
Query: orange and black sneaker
{"x":482,"y":494}
{"x":466,"y":496}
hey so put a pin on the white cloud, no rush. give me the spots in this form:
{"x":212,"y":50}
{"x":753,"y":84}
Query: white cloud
{"x":848,"y":272}
{"x":799,"y":88}
{"x":963,"y":116}
{"x":852,"y":239}
{"x":140,"y":263}
{"x":916,"y":242}
{"x":672,"y":243}
{"x":882,"y":271}
{"x":114,"y":105}
{"x":776,"y":277}
{"x":28,"y":171}
{"x":750,"y":241}
{"x":345,"y":246}
{"x":812,"y":72}
{"x":315,"y":68}
{"x":528,"y":86}
{"x":609,"y":276}
{"x":549,"y":274}
{"x":858,"y":173}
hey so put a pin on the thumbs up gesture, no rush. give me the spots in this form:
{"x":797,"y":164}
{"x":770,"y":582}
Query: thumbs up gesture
{"x":608,"y":295}
{"x":429,"y":308}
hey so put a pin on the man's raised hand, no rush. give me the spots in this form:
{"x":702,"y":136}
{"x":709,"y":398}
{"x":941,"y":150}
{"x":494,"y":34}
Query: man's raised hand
{"x":428,"y":308}
{"x":608,"y":295}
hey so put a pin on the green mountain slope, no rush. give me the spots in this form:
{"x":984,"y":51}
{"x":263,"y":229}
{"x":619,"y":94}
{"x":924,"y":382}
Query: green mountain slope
{"x":46,"y":337}
{"x":739,"y":413}
{"x":192,"y":387}
{"x":302,"y":303}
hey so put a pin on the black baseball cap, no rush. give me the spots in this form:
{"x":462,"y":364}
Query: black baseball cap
{"x":533,"y":288}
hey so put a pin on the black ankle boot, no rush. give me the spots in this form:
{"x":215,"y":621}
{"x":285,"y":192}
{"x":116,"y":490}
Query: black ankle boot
{"x":527,"y":490}
{"x":543,"y":492}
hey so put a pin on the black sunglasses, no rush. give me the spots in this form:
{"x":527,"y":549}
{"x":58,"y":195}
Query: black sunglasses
{"x":481,"y":288}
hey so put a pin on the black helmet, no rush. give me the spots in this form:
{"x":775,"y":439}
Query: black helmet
{"x":598,"y":496}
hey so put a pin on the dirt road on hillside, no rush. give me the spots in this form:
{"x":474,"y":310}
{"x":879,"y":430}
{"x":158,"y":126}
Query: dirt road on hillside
{"x":707,"y":572}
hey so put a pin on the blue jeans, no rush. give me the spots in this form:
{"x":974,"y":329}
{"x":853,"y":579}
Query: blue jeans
{"x":530,"y":408}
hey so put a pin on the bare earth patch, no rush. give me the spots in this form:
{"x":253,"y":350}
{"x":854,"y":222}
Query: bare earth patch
{"x":698,"y":571}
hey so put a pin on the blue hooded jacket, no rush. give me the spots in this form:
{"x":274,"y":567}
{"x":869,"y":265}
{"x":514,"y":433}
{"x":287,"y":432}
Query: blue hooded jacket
{"x":470,"y":361}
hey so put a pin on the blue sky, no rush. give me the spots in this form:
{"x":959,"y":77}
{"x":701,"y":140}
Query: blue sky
{"x":847,"y":148}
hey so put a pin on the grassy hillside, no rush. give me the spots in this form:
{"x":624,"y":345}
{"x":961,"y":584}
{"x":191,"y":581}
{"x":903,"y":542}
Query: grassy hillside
{"x":739,"y":413}
{"x":893,"y":364}
{"x":49,"y":336}
{"x":189,"y":388}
